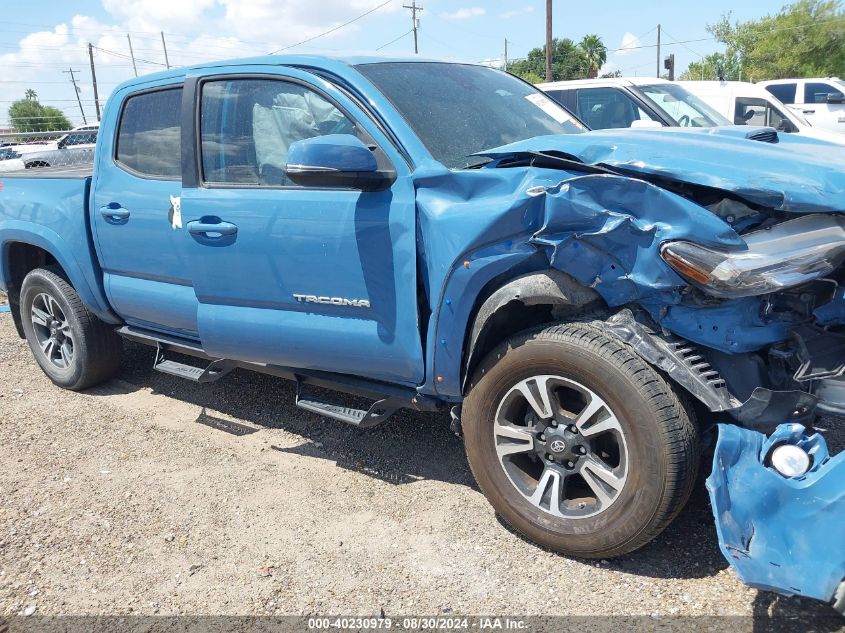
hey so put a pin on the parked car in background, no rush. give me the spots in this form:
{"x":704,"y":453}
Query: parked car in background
{"x":10,"y":160}
{"x":751,"y":104}
{"x":820,"y":99}
{"x":74,"y":148}
{"x":632,"y":102}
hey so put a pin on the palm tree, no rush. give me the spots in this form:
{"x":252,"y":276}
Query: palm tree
{"x":595,"y":53}
{"x":30,"y":95}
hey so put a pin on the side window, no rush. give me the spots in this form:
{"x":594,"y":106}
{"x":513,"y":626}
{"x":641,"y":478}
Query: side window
{"x":603,"y":108}
{"x":248,"y":125}
{"x":149,"y":139}
{"x":817,"y":92}
{"x":784,"y":93}
{"x":750,"y":112}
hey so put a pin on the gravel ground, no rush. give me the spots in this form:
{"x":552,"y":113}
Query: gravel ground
{"x":151,"y":495}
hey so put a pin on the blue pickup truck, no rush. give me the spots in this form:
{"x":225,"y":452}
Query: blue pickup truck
{"x":442,"y":236}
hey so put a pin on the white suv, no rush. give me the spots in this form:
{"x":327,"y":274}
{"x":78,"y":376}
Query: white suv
{"x":821,"y":100}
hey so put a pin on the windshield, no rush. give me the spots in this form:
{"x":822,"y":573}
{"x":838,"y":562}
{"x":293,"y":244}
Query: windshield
{"x":683,"y":107}
{"x":458,"y":110}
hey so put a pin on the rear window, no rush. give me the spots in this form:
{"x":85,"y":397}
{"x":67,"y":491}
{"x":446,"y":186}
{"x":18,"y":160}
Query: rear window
{"x":149,"y":139}
{"x":785,"y":93}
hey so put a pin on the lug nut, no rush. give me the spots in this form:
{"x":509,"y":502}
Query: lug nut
{"x":582,"y":450}
{"x":570,"y":465}
{"x":542,"y":437}
{"x":554,"y":423}
{"x":550,"y":458}
{"x":573,"y":428}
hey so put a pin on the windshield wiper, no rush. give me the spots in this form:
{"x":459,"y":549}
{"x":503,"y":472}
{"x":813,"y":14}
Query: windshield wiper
{"x":478,"y":163}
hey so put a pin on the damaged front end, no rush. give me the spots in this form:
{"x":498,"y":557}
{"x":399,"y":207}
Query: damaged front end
{"x":779,"y":504}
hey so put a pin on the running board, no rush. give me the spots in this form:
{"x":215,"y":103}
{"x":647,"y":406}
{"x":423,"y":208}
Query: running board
{"x":213,"y":371}
{"x":379,"y":412}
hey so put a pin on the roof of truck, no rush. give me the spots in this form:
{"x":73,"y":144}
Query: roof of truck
{"x":320,"y":61}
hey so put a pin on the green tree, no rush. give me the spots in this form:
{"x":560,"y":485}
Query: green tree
{"x":595,"y":53}
{"x":804,"y":39}
{"x":568,"y":62}
{"x":716,"y":66}
{"x":28,"y":115}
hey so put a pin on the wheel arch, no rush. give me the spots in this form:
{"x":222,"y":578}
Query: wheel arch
{"x":528,"y":300}
{"x":20,"y":254}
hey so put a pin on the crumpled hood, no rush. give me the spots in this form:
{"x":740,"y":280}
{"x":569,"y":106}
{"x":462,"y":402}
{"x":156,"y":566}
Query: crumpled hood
{"x":796,"y":174}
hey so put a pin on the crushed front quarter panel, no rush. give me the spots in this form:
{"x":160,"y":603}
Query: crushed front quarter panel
{"x":779,"y":533}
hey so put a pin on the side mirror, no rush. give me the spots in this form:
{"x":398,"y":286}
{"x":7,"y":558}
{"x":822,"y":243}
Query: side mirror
{"x":785,"y":125}
{"x":835,"y":97}
{"x":336,"y":160}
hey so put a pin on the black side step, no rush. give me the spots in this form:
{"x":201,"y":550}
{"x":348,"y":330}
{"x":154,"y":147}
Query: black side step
{"x":214,"y":371}
{"x":379,"y":412}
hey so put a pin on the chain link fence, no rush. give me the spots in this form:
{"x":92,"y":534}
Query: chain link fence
{"x":41,"y":150}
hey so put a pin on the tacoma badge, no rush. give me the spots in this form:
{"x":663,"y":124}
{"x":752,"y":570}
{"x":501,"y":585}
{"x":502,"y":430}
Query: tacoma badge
{"x":335,"y":301}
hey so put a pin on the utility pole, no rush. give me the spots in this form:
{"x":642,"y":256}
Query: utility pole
{"x":76,"y":90}
{"x":132,"y":54}
{"x":415,"y":23}
{"x":505,"y":62}
{"x":658,"y":51}
{"x":548,"y":40}
{"x":164,"y":46}
{"x":94,"y":80}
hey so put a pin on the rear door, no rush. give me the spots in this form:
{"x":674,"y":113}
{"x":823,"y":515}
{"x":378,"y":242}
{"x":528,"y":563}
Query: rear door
{"x":353,"y":252}
{"x":136,"y":192}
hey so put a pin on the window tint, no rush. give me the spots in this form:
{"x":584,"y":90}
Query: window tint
{"x":603,"y":108}
{"x":817,"y":92}
{"x":783,"y":92}
{"x":248,"y":125}
{"x":149,"y":140}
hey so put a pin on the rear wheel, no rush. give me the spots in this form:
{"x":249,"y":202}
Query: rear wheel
{"x":74,"y":348}
{"x":578,"y":443}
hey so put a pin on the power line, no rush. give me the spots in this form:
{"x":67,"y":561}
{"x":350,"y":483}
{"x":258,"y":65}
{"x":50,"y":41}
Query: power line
{"x":393,"y":41}
{"x":332,"y":30}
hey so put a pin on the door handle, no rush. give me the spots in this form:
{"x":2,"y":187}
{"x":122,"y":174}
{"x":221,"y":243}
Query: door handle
{"x":807,"y":111}
{"x":115,"y":213}
{"x":212,"y":230}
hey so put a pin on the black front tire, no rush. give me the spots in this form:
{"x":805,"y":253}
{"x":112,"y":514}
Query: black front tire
{"x":660,"y":438}
{"x":94,"y":354}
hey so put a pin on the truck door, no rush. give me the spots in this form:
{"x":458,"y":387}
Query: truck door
{"x":301,"y":277}
{"x":824,"y":104}
{"x":137,"y":183}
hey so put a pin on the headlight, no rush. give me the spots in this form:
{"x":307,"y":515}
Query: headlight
{"x":784,"y":256}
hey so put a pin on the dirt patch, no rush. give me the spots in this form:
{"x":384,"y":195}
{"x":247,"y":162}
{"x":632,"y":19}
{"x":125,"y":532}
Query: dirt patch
{"x":151,"y":495}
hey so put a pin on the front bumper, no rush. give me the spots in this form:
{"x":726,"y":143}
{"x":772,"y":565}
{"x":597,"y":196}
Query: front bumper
{"x":781,"y":534}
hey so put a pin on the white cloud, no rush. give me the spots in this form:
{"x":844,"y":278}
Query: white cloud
{"x":521,"y":11}
{"x":464,"y":13}
{"x":630,"y":43}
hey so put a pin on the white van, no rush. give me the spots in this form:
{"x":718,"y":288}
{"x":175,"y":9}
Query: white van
{"x":750,"y":104}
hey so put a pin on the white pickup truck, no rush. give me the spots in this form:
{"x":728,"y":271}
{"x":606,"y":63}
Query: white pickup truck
{"x":820,"y":99}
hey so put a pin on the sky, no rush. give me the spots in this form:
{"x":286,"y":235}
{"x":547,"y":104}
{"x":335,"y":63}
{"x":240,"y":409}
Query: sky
{"x":39,"y":39}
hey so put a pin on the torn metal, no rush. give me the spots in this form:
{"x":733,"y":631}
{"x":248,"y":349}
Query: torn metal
{"x":779,"y":504}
